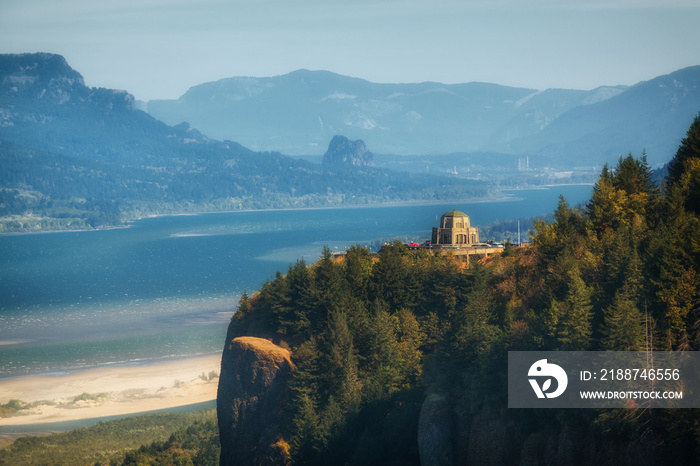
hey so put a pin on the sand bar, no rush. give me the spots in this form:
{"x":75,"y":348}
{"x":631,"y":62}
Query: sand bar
{"x":111,"y":391}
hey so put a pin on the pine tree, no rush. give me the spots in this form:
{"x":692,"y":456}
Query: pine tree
{"x":359,"y":323}
{"x":274,"y":296}
{"x":244,"y":305}
{"x":674,"y":268}
{"x":634,"y":176}
{"x":384,"y":368}
{"x":686,"y":189}
{"x":623,"y":328}
{"x":307,"y":439}
{"x":689,"y":149}
{"x":306,"y":377}
{"x":474,"y":325}
{"x":621,"y":257}
{"x":358,"y":268}
{"x":575,"y":325}
{"x":340,"y":363}
{"x":604,"y":208}
{"x":563,"y":220}
{"x":410,"y":338}
{"x":390,"y":275}
{"x":565,"y":324}
{"x":302,"y":299}
{"x":328,"y":278}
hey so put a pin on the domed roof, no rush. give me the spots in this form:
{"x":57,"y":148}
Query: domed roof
{"x":455,"y":213}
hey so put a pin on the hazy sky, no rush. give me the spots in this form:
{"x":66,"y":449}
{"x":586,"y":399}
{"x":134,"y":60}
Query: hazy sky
{"x":159,"y":48}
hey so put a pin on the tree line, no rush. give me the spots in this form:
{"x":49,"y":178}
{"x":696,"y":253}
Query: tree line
{"x":371,"y":334}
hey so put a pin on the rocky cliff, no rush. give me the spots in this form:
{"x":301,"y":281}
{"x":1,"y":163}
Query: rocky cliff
{"x":252,"y":392}
{"x":343,"y":152}
{"x":450,"y":433}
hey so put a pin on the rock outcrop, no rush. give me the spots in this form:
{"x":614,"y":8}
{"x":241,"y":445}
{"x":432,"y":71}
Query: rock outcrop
{"x":435,"y":431}
{"x":450,"y":432}
{"x":252,"y":391}
{"x":344,"y":152}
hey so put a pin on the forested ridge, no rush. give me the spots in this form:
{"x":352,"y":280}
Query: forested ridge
{"x":376,"y":338}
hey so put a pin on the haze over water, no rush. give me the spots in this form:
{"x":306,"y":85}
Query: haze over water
{"x":166,"y":287}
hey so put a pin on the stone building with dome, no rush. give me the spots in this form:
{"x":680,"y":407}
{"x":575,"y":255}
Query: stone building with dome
{"x":455,"y":230}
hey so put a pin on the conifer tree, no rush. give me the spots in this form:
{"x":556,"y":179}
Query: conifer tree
{"x":359,"y":323}
{"x":565,"y":323}
{"x":274,"y":296}
{"x":674,"y":268}
{"x":328,"y":278}
{"x":384,"y":368}
{"x":623,"y":328}
{"x":389,"y":277}
{"x":689,"y":186}
{"x":306,"y":440}
{"x":306,"y":377}
{"x":622,"y":261}
{"x":410,"y":338}
{"x":340,"y":363}
{"x":689,"y":149}
{"x":575,"y":325}
{"x":473,"y":326}
{"x":244,"y":305}
{"x":301,"y":295}
{"x":604,"y":208}
{"x":563,"y":220}
{"x":634,"y":176}
{"x":358,"y":268}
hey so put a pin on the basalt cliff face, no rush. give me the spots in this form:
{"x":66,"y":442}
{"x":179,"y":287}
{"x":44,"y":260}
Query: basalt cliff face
{"x":251,"y":395}
{"x":449,"y":433}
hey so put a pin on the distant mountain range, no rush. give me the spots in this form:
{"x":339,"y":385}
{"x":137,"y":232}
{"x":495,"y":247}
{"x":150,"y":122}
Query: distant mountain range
{"x":72,"y":156}
{"x":298,"y":113}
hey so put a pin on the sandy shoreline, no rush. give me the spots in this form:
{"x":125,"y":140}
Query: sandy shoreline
{"x":111,"y":391}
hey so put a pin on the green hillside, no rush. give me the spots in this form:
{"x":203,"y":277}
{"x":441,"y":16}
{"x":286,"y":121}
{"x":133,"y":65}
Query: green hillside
{"x":375,"y":340}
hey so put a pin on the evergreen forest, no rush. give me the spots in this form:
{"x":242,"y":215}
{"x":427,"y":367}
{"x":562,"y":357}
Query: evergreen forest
{"x":379,"y":339}
{"x":375,"y":338}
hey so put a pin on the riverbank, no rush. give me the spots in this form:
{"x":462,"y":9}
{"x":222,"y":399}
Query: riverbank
{"x":129,"y":219}
{"x":110,"y":391}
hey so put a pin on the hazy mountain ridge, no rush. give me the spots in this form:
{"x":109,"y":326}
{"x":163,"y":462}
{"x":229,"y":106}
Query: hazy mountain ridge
{"x":75,"y":157}
{"x":44,"y":100}
{"x":299,"y":112}
{"x":647,"y":116}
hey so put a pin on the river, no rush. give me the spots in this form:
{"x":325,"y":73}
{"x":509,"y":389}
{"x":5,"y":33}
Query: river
{"x":165,"y":287}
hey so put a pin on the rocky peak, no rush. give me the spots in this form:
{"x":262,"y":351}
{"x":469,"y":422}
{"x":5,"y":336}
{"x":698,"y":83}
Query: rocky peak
{"x":42,"y":76}
{"x":344,"y":152}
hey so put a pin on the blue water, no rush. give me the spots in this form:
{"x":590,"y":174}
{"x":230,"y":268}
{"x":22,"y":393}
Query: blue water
{"x":166,"y":287}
